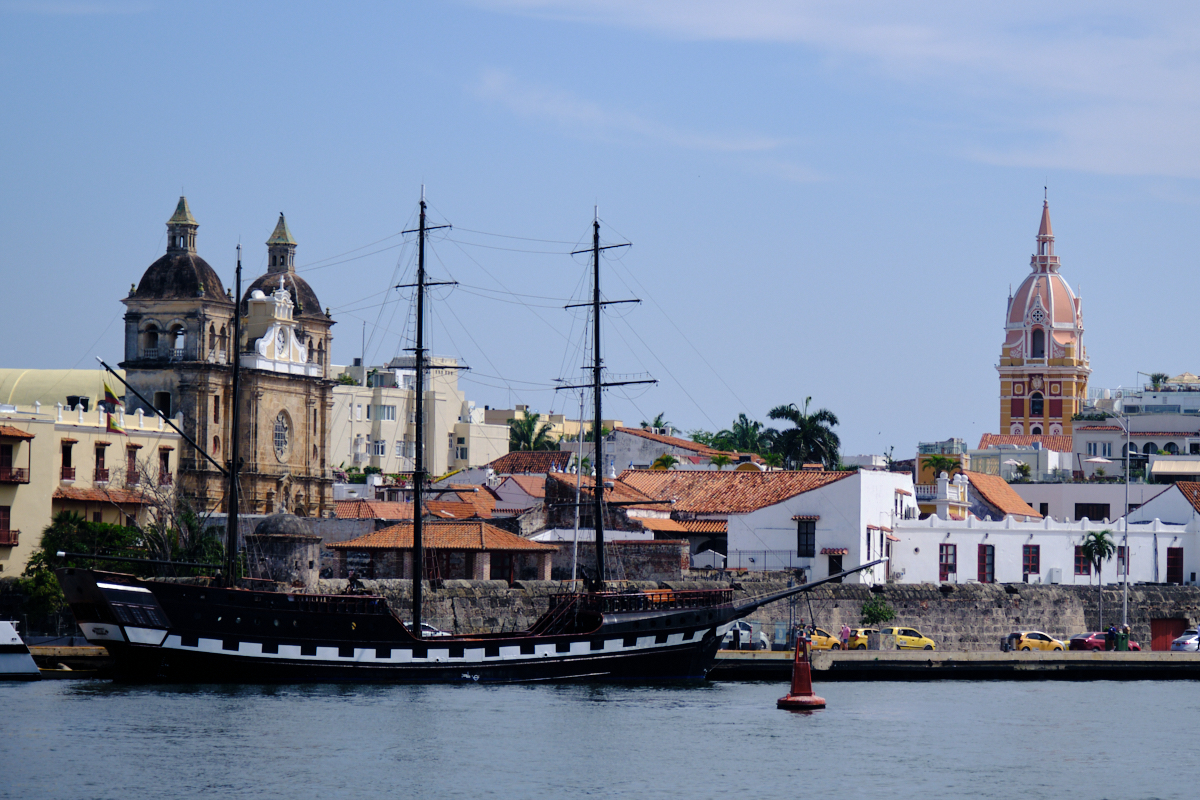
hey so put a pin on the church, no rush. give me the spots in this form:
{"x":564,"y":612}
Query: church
{"x":179,"y":355}
{"x":1043,"y":363}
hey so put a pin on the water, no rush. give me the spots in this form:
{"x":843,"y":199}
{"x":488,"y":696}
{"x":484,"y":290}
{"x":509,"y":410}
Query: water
{"x":898,"y":740}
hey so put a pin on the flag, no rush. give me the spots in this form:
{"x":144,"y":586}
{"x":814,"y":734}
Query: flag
{"x":109,"y":397}
{"x":114,"y":425}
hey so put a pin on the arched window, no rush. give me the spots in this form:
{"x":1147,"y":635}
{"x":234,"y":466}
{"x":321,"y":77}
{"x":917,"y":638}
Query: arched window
{"x":311,"y":354}
{"x":1036,"y":404}
{"x":1171,"y":448}
{"x":1149,"y":448}
{"x":1036,"y":430}
{"x":151,"y":345}
{"x":212,"y":337}
{"x":216,"y":445}
{"x":178,"y":341}
{"x":1038,"y":344}
{"x":321,"y":353}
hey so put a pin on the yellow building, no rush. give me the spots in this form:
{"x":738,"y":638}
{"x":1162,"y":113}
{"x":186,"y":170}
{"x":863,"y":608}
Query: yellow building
{"x":560,"y":425}
{"x":65,"y":459}
{"x":1043,"y":363}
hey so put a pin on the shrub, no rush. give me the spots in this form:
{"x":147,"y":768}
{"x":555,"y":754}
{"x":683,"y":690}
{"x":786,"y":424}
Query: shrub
{"x":876,"y":610}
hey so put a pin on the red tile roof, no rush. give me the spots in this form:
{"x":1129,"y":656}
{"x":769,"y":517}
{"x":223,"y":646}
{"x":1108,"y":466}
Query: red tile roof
{"x":98,"y":495}
{"x":1061,"y":444}
{"x":996,"y":491}
{"x":721,"y":492}
{"x":705,"y":526}
{"x":659,"y":524}
{"x":1190,"y":491}
{"x":532,"y":485}
{"x":835,"y":551}
{"x":620,"y":491}
{"x":445,"y":536}
{"x":451,"y":510}
{"x":372,"y":509}
{"x":531,"y":462}
{"x":1099,"y":428}
{"x":9,"y":432}
{"x":480,"y":497}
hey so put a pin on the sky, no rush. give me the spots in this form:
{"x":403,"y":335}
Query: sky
{"x":823,"y":200}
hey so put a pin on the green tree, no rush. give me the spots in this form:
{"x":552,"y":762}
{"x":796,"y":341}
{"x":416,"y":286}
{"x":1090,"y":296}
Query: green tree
{"x":745,"y":435}
{"x":659,"y":421}
{"x":811,"y":437}
{"x":1098,"y":547}
{"x":1025,"y":471}
{"x":703,"y":437}
{"x":588,"y":437}
{"x":939,"y":463}
{"x":773,"y":460}
{"x":720,"y":461}
{"x":665,"y":461}
{"x":876,"y":610}
{"x":346,"y":380}
{"x":526,"y":434}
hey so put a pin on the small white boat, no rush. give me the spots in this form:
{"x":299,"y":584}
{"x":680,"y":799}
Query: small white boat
{"x":16,"y":664}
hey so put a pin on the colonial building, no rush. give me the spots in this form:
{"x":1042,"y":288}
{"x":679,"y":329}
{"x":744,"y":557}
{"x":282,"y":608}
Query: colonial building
{"x":179,"y":352}
{"x":1043,"y":363}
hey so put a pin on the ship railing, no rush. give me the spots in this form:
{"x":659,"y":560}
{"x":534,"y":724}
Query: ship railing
{"x":656,"y":600}
{"x":340,"y":604}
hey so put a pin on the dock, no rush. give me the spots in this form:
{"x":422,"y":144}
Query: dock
{"x":94,"y":660}
{"x":931,"y":665}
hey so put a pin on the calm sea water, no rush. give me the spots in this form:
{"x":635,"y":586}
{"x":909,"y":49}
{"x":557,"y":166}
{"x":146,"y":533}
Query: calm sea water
{"x":896,"y":740}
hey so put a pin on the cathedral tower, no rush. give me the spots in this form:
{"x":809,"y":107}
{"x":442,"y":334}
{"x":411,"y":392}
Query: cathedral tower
{"x":1043,"y":363}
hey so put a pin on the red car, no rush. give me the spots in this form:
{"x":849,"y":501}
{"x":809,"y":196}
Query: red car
{"x":1095,"y":641}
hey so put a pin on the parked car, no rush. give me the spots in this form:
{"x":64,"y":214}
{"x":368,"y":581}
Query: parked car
{"x":909,"y":638}
{"x":747,"y":639}
{"x":824,"y":640}
{"x":1096,"y":640}
{"x":1035,"y":640}
{"x":1187,"y":642}
{"x":428,"y":631}
{"x":858,"y":638}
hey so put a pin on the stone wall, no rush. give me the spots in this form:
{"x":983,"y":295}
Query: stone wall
{"x":972,"y":617}
{"x":627,"y":560}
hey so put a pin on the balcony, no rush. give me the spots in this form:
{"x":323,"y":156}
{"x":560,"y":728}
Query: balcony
{"x":132,"y":477}
{"x":14,"y":475}
{"x":9,"y":538}
{"x":175,"y":353}
{"x":925,"y":491}
{"x":164,"y":479}
{"x":100,"y":475}
{"x":68,"y":473}
{"x":150,"y":353}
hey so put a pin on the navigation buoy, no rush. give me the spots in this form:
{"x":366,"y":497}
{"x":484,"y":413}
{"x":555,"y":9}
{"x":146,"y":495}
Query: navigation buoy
{"x":801,"y":697}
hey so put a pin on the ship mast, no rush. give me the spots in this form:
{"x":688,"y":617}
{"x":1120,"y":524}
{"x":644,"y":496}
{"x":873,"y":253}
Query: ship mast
{"x":231,"y":517}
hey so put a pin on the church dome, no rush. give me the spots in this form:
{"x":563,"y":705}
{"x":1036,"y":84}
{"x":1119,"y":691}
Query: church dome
{"x":282,"y":524}
{"x":181,"y":273}
{"x":1044,"y":315}
{"x":303,"y":296}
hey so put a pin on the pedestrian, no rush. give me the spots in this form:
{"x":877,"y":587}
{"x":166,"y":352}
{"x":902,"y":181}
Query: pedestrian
{"x":845,"y":635}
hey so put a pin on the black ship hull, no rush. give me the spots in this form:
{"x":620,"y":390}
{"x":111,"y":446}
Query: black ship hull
{"x":163,"y":631}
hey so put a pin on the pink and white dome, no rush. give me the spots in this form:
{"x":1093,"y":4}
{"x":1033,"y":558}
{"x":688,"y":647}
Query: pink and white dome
{"x":1044,"y":315}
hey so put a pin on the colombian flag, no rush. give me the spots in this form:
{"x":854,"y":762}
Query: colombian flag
{"x":109,"y":397}
{"x":114,"y":426}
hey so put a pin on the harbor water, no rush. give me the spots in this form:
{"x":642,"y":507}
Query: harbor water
{"x":83,"y":739}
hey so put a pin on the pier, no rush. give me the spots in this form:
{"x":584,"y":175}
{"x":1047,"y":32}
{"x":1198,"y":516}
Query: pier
{"x":925,"y":665}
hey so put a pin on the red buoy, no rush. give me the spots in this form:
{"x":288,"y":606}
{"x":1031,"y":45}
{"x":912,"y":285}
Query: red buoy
{"x":801,"y":697}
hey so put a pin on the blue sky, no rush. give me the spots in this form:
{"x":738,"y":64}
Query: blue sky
{"x":825,"y":201}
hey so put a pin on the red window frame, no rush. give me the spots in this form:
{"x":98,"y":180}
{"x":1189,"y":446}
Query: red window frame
{"x":987,"y":563}
{"x":1082,"y":565}
{"x":1031,"y":559}
{"x":1175,"y":565}
{"x":947,"y":561}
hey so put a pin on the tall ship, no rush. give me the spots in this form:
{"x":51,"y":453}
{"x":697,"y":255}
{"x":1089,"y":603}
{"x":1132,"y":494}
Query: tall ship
{"x":222,"y":630}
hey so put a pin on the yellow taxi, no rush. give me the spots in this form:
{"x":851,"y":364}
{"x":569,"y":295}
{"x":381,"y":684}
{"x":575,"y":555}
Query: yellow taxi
{"x":1036,"y":640}
{"x":909,"y":638}
{"x":858,"y":638}
{"x":824,"y":640}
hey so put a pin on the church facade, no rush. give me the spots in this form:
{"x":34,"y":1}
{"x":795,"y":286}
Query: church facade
{"x":179,"y":353}
{"x":1043,"y":363}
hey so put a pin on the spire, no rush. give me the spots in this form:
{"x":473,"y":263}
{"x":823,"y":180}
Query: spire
{"x":281,"y":248}
{"x":1045,"y":233}
{"x":281,"y":235}
{"x":1045,"y":260}
{"x":181,"y":229}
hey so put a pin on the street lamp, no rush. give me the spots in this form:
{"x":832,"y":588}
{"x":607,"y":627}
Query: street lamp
{"x":1128,"y":461}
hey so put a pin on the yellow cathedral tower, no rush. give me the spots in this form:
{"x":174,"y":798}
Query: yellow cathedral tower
{"x":1043,"y":363}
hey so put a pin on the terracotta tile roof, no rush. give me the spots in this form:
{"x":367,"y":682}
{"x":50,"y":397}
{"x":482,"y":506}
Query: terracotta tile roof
{"x":996,"y":492}
{"x":1061,"y":444}
{"x":620,"y":491}
{"x":531,"y":462}
{"x":808,"y":518}
{"x":835,"y":551}
{"x":98,"y":495}
{"x":532,"y":485}
{"x":450,"y":510}
{"x":703,"y":451}
{"x":9,"y":432}
{"x":474,"y":535}
{"x":659,"y":524}
{"x":705,"y":526}
{"x":371,"y":509}
{"x":1099,"y":428}
{"x":1162,"y":434}
{"x":721,"y":492}
{"x":1190,"y":491}
{"x":480,"y":497}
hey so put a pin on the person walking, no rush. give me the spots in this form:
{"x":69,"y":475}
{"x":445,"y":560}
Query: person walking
{"x":845,"y":635}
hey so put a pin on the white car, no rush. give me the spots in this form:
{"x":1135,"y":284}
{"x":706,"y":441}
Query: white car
{"x":1188,"y":641}
{"x":747,"y":638}
{"x":428,"y":631}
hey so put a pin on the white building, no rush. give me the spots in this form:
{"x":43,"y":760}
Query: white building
{"x":1074,"y":501}
{"x":375,"y":425}
{"x":936,"y":550}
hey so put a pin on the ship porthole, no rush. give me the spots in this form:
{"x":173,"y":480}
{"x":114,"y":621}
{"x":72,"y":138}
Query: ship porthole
{"x":276,"y":623}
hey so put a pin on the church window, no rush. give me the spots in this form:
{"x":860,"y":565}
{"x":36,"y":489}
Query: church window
{"x":216,"y":445}
{"x":282,"y":436}
{"x":1038,"y":346}
{"x":1036,"y":404}
{"x":311,"y":354}
{"x":212,"y":337}
{"x":224,"y":340}
{"x":162,"y":403}
{"x":1036,"y":430}
{"x":216,"y":408}
{"x":321,"y":353}
{"x":151,"y":346}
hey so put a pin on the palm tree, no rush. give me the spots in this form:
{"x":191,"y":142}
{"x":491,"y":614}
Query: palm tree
{"x":659,"y":421}
{"x":940,"y":463}
{"x":746,"y":435}
{"x":811,"y":438}
{"x":1157,"y":379}
{"x":720,"y":461}
{"x":1098,"y":547}
{"x":665,"y":461}
{"x":526,"y":434}
{"x":773,"y":460}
